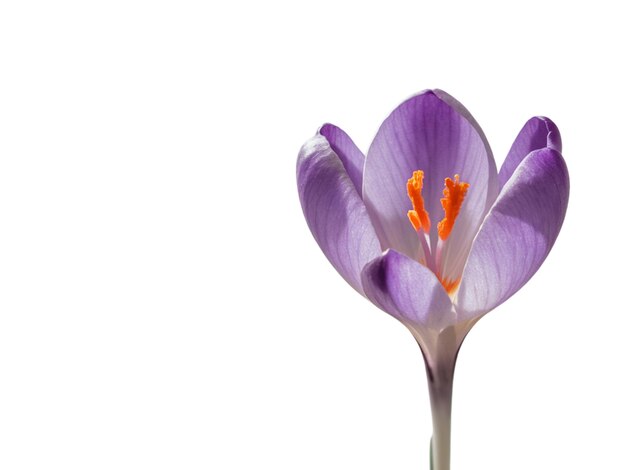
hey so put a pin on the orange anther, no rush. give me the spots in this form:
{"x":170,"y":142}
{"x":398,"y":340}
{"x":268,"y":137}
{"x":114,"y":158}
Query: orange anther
{"x":418,"y":216}
{"x":453,"y":195}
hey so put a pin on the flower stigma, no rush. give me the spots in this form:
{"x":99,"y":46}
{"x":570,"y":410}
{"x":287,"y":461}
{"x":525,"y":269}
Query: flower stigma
{"x":454,"y":193}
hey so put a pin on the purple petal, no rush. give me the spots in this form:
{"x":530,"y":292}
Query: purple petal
{"x":537,"y":133}
{"x":334,"y":211}
{"x":517,"y":234}
{"x":349,"y":154}
{"x":434,"y":133}
{"x":408,"y":291}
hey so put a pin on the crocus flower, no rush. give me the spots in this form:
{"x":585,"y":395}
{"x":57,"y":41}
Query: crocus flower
{"x":428,"y":230}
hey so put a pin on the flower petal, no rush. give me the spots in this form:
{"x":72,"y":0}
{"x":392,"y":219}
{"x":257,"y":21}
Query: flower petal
{"x":517,"y":234}
{"x":539,"y":132}
{"x":349,"y":154}
{"x":408,"y":291}
{"x":334,"y":211}
{"x":431,"y":132}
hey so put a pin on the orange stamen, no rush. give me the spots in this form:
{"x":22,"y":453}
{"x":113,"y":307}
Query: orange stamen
{"x":418,"y":216}
{"x":450,"y":285}
{"x":453,"y":195}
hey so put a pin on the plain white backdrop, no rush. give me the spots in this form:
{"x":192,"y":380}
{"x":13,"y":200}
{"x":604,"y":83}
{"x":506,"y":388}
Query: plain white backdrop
{"x":162,"y":302}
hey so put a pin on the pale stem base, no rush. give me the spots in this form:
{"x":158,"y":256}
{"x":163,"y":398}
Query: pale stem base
{"x":440,"y":351}
{"x":440,"y":380}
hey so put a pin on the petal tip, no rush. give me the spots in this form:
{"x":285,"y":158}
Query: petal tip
{"x":312,"y":147}
{"x":538,"y":133}
{"x":326,"y":128}
{"x":344,"y":147}
{"x":552,"y":133}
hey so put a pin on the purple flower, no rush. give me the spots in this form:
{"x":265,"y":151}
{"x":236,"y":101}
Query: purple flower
{"x":430,"y":161}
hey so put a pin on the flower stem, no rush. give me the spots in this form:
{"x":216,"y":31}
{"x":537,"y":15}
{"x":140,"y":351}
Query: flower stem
{"x":440,"y":378}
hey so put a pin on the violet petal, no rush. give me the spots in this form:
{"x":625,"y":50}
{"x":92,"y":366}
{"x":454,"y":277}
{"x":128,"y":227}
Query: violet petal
{"x":517,"y":234}
{"x":408,"y":291}
{"x":538,"y":132}
{"x":334,"y":211}
{"x":349,"y":154}
{"x":434,"y":133}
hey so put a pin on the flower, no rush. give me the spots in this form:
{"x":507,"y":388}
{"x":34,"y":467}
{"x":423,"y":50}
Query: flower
{"x":371,"y":215}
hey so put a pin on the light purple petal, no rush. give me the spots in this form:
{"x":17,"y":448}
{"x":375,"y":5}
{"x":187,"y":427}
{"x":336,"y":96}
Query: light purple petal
{"x":408,"y":291}
{"x":349,"y":154}
{"x":334,"y":211}
{"x":434,"y":133}
{"x":537,"y":133}
{"x":517,"y":234}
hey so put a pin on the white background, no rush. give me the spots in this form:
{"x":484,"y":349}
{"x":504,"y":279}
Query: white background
{"x":162,"y":302}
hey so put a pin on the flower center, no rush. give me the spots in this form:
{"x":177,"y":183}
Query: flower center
{"x":454,"y":193}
